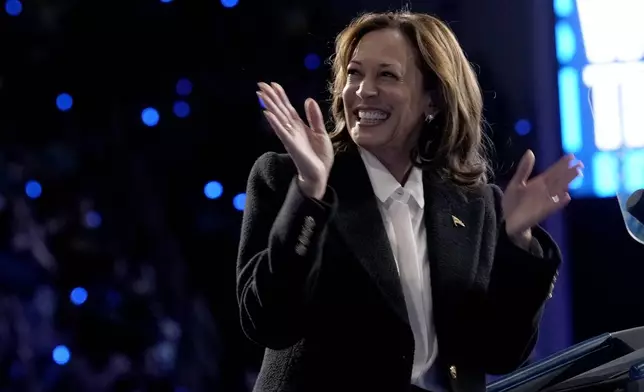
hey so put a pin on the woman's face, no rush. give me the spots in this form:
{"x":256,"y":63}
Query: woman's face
{"x":384,"y":100}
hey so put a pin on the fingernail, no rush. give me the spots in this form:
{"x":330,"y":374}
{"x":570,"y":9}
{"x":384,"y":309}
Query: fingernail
{"x":573,"y":162}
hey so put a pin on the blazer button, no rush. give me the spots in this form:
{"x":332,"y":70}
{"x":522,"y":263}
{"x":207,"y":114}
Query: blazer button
{"x":452,"y":372}
{"x":300,"y":249}
{"x":309,"y":223}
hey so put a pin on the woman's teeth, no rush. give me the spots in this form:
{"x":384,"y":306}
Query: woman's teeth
{"x":372,"y":117}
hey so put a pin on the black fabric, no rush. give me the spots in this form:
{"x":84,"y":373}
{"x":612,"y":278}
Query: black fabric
{"x":318,"y":286}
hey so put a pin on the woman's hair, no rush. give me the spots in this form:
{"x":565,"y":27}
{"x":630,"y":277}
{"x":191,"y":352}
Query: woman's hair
{"x":453,"y":145}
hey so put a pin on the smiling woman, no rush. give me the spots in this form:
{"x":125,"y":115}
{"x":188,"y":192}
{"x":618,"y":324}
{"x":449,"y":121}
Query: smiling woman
{"x":388,"y":262}
{"x":427,"y":85}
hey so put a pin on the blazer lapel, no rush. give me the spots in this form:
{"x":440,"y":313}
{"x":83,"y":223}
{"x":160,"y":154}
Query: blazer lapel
{"x":451,"y":218}
{"x":452,"y":221}
{"x":359,"y":222}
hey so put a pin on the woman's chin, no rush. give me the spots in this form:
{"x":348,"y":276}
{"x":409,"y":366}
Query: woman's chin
{"x":366,"y":131}
{"x":366,"y":136}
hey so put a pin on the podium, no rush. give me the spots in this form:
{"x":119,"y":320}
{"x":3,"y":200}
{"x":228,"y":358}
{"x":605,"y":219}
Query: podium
{"x":609,"y":362}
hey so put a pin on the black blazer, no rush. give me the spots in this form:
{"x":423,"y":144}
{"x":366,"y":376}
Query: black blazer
{"x":318,"y":287}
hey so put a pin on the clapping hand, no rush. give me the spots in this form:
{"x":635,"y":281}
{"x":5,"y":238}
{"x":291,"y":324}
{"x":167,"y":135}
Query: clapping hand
{"x":308,"y":145}
{"x":529,"y":201}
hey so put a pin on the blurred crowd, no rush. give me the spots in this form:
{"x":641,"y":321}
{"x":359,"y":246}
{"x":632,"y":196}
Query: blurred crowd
{"x":92,"y":290}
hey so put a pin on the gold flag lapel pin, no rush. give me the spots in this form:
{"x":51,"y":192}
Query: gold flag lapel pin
{"x":457,"y":222}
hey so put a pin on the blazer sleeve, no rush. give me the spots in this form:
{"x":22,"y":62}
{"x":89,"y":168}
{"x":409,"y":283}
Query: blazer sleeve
{"x":520,"y":284}
{"x":279,"y":252}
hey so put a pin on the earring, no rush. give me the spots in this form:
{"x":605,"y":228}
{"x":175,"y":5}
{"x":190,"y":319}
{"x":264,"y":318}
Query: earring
{"x":429,"y":118}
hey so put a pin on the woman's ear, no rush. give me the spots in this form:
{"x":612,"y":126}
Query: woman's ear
{"x":432,"y":107}
{"x":431,"y":111}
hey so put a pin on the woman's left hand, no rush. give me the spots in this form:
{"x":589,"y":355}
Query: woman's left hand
{"x":527,"y":202}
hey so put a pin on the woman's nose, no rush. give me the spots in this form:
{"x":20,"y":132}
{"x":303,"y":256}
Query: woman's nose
{"x":367,"y":89}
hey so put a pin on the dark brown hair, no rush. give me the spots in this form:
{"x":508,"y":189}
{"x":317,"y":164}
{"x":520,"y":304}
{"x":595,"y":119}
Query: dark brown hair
{"x":453,"y":144}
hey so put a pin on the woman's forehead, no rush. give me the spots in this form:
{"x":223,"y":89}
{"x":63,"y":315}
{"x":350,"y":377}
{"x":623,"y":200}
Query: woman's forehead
{"x":384,"y":47}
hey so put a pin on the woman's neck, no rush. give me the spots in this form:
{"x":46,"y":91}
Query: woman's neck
{"x":398,"y":163}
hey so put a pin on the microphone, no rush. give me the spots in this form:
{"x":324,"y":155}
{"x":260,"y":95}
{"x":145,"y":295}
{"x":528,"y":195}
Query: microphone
{"x":635,"y":205}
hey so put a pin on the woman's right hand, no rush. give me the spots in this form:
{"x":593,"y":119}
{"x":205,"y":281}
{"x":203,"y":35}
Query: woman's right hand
{"x":309,"y":145}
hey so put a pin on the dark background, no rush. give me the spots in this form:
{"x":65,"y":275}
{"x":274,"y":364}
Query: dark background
{"x":159,"y":269}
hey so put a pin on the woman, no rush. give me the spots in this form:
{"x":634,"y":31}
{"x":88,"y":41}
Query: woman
{"x":379,"y":258}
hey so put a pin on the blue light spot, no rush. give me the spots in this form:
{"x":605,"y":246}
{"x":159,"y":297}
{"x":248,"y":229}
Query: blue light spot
{"x":150,"y":117}
{"x":523,"y":127}
{"x":229,"y":3}
{"x":13,"y":7}
{"x":93,"y":219}
{"x":166,"y":1}
{"x":184,"y":87}
{"x":312,"y":61}
{"x":239,"y":201}
{"x":33,"y":189}
{"x":565,"y":41}
{"x":64,"y":102}
{"x":605,"y":174}
{"x":78,"y":296}
{"x":569,"y":101}
{"x":633,"y":166}
{"x":213,"y":190}
{"x":61,"y":355}
{"x":564,"y":8}
{"x":261,"y":103}
{"x":181,"y":109}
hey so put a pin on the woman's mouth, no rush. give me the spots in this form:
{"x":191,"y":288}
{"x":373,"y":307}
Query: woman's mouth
{"x":371,"y":117}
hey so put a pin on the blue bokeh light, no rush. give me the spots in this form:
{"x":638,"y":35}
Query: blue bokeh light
{"x":522,"y":127}
{"x":184,"y":87}
{"x":565,"y":42}
{"x":229,"y":3}
{"x":93,"y":219}
{"x":181,"y":109}
{"x":150,"y":117}
{"x":33,"y":189}
{"x":61,"y":355}
{"x":64,"y":102}
{"x":564,"y":8}
{"x":239,"y":202}
{"x":213,"y":190}
{"x":78,"y":296}
{"x":13,"y":7}
{"x":312,"y":61}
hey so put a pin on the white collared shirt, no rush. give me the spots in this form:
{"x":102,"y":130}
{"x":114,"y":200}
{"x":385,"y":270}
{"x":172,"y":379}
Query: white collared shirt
{"x":401,"y":208}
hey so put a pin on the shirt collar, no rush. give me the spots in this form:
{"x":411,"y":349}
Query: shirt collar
{"x":384,"y":184}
